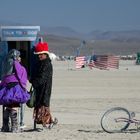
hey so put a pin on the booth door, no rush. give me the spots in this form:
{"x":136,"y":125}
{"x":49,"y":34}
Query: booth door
{"x":3,"y":52}
{"x":24,"y":48}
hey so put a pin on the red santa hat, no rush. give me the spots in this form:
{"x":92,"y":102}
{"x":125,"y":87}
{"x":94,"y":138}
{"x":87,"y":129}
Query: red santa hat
{"x":41,"y":47}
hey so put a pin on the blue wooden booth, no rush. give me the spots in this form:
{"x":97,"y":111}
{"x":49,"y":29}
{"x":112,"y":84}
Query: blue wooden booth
{"x":22,"y":38}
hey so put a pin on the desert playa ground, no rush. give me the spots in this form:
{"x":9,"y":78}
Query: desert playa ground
{"x":79,"y":99}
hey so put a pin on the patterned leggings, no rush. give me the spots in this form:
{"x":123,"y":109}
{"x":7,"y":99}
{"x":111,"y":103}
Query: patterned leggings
{"x":10,"y":113}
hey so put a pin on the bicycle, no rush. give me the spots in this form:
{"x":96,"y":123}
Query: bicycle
{"x":117,"y":120}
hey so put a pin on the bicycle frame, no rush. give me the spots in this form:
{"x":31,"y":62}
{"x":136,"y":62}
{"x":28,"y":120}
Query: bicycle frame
{"x":135,"y":121}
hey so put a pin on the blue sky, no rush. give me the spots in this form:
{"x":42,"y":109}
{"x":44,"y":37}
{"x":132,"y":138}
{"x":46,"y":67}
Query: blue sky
{"x":81,"y":15}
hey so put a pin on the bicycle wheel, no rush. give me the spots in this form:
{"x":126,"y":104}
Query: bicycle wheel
{"x":108,"y":120}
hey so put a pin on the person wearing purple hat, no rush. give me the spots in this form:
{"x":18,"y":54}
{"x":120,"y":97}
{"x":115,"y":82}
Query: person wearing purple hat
{"x":12,"y":89}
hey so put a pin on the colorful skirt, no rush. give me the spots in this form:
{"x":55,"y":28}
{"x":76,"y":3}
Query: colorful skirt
{"x":42,"y":115}
{"x":13,"y":94}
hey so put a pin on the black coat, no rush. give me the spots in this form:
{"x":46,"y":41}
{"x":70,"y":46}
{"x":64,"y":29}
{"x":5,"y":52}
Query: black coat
{"x":42,"y":82}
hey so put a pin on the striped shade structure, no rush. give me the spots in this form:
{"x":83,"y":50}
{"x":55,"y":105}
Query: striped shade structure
{"x":80,"y":62}
{"x":106,"y":62}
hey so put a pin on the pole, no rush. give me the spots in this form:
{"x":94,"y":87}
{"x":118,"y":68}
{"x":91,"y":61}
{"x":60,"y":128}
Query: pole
{"x":21,"y":115}
{"x":34,"y":125}
{"x":3,"y":108}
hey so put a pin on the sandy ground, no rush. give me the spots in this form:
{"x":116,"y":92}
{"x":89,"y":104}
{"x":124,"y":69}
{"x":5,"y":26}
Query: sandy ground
{"x":79,"y":99}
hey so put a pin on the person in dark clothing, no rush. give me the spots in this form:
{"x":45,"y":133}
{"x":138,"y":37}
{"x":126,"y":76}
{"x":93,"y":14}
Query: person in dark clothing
{"x":42,"y":83}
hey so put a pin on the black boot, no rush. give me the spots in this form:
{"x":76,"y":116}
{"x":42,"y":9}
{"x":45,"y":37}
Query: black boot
{"x":14,"y":121}
{"x":5,"y":127}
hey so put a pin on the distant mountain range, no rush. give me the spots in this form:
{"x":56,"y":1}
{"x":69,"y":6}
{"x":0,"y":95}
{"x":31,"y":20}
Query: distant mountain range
{"x":65,"y":40}
{"x":96,"y":35}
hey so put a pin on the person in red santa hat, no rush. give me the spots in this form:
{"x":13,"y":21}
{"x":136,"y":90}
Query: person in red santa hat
{"x":42,"y":83}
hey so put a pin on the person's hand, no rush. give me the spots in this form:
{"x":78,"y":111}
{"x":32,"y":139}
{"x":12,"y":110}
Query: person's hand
{"x":19,"y":59}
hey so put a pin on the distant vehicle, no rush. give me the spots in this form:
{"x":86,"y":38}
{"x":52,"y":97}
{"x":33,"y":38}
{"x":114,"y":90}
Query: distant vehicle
{"x":138,"y":59}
